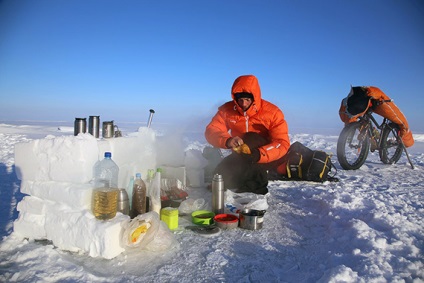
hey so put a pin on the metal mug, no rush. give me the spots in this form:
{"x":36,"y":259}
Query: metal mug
{"x":108,"y":129}
{"x":80,"y":126}
{"x":251,"y":219}
{"x":93,"y":125}
{"x":118,"y":132}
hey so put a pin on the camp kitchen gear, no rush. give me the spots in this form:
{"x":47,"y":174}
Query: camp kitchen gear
{"x":93,"y":125}
{"x":169,"y":215}
{"x":108,"y":129}
{"x":205,"y":230}
{"x":217,"y":194}
{"x":226,"y":221}
{"x":202,"y":217}
{"x":118,"y":132}
{"x":251,"y":219}
{"x":123,"y":202}
{"x":149,"y":122}
{"x":80,"y":126}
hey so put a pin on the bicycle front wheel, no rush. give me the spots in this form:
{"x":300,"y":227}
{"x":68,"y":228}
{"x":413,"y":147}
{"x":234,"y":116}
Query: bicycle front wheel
{"x":353,"y":146}
{"x":391,"y":146}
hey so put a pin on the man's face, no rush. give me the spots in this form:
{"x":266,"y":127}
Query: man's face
{"x":244,"y":103}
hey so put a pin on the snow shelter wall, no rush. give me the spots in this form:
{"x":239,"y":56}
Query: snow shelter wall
{"x":56,"y":174}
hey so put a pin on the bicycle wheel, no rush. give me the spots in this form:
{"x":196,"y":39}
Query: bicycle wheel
{"x":391,"y":146}
{"x":353,"y":146}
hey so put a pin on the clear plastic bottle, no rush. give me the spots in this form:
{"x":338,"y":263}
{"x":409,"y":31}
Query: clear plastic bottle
{"x":155,"y":192}
{"x":130,"y":188}
{"x":105,"y":192}
{"x":149,"y":184}
{"x":138,"y":196}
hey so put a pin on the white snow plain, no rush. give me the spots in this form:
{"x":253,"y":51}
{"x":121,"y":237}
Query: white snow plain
{"x":368,"y":227}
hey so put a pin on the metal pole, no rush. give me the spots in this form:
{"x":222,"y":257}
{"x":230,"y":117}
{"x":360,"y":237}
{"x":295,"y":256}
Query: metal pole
{"x":149,"y":122}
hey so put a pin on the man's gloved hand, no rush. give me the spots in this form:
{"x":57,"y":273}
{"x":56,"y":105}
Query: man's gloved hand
{"x":251,"y":155}
{"x":244,"y":148}
{"x":234,"y":142}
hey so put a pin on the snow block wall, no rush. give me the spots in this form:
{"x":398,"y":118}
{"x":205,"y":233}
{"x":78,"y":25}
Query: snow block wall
{"x":56,"y":176}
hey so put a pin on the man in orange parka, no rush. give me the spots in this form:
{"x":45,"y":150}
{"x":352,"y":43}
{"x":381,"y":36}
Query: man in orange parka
{"x":248,"y":112}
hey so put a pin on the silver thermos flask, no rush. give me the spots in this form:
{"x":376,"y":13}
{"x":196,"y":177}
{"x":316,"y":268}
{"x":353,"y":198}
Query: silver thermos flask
{"x":123,"y":202}
{"x":218,"y":194}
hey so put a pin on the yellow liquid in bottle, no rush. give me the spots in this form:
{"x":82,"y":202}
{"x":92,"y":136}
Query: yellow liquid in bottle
{"x":104,"y":203}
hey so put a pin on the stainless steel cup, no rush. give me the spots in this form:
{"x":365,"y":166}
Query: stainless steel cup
{"x":117,"y":132}
{"x":80,"y":126}
{"x":108,"y":129}
{"x":123,"y":202}
{"x":93,"y":125}
{"x":251,"y":219}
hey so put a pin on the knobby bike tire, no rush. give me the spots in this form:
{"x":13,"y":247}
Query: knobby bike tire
{"x":391,"y":146}
{"x":352,"y":146}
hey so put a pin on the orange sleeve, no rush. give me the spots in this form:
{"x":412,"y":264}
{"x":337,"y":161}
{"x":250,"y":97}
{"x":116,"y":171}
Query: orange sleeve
{"x":216,"y":132}
{"x":279,"y":138}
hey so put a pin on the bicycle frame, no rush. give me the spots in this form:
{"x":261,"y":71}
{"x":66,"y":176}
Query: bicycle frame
{"x":370,"y":123}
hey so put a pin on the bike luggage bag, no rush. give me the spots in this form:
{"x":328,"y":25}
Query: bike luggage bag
{"x":359,"y":100}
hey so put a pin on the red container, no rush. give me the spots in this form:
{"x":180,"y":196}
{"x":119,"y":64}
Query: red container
{"x":226,"y":221}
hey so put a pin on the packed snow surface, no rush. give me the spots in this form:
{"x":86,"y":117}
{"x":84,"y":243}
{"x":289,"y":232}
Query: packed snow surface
{"x":368,"y":227}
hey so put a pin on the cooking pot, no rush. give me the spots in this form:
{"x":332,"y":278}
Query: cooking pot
{"x":251,"y":219}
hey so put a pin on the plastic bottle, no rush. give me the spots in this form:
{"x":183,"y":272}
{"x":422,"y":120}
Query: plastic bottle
{"x":105,"y":192}
{"x":149,"y":184}
{"x":155,"y":192}
{"x":138,"y":196}
{"x":218,"y":194}
{"x":130,"y":188}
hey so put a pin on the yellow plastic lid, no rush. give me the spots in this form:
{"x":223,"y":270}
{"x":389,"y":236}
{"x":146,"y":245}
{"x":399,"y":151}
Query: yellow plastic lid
{"x":169,"y":211}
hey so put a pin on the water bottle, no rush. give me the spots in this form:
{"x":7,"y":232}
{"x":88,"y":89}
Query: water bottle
{"x":149,"y":185}
{"x":130,"y":188}
{"x":138,"y":196}
{"x":105,"y":192}
{"x":155,"y":199}
{"x":218,"y":194}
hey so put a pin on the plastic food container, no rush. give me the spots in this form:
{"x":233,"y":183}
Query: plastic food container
{"x":202,"y":217}
{"x":226,"y":221}
{"x":169,"y":215}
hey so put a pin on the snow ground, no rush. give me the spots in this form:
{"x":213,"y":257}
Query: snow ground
{"x":366,"y":228}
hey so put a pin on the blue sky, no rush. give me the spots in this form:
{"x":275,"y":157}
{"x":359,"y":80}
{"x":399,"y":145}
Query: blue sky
{"x":118,"y":59}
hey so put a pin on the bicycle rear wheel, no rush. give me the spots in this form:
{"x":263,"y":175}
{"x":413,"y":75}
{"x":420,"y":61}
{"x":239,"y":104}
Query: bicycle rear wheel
{"x":353,"y":146}
{"x":391,"y":146}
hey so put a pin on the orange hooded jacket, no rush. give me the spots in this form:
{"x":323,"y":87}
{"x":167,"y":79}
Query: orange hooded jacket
{"x":262,"y":117}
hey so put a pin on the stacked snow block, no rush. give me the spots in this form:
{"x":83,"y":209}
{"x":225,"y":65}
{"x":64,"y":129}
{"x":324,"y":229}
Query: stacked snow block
{"x":56,"y":176}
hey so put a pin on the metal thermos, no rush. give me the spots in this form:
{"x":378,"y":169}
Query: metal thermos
{"x":123,"y":202}
{"x":80,"y":126}
{"x":218,"y":194}
{"x":93,"y":125}
{"x":108,"y":129}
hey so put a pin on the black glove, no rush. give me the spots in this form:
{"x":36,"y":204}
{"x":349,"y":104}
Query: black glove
{"x":253,"y":157}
